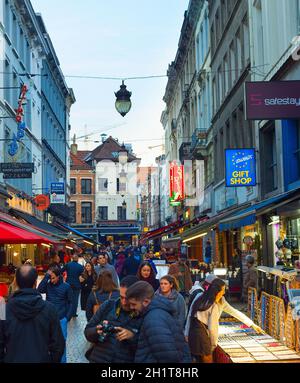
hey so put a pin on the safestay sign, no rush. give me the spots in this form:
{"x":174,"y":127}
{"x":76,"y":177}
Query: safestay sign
{"x":272,"y":100}
{"x":240,"y":167}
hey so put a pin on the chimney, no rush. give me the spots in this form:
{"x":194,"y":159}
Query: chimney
{"x":74,"y":146}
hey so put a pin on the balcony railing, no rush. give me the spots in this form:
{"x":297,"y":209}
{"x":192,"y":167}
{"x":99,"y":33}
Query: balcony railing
{"x":199,"y":143}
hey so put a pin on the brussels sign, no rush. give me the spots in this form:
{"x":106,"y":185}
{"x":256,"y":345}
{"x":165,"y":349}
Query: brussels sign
{"x":272,"y":100}
{"x":240,"y":167}
{"x":176,"y":184}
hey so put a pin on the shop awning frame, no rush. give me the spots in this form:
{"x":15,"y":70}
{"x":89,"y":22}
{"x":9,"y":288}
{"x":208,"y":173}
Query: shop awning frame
{"x":249,"y":215}
{"x":10,"y":234}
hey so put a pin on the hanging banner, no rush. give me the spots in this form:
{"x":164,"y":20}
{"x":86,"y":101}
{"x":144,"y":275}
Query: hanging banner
{"x":176,"y":184}
{"x":272,"y":100}
{"x":240,"y":167}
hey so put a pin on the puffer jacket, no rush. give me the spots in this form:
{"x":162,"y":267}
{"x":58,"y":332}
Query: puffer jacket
{"x":161,"y":337}
{"x":111,"y":350}
{"x":60,"y":295}
{"x":178,"y":303}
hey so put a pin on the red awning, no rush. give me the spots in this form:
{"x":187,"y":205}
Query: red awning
{"x":13,"y":234}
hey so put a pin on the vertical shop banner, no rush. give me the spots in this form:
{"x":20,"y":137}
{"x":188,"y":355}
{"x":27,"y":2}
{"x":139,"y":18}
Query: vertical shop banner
{"x":272,"y":100}
{"x":176,"y":184}
{"x":240,"y":167}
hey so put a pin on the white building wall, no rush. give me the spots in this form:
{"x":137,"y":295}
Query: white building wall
{"x":110,"y":198}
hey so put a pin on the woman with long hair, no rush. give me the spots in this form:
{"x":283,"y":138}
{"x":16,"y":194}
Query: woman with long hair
{"x":87,"y":280}
{"x":146,"y":273}
{"x":202,"y":328}
{"x":169,"y":290}
{"x":104,"y":289}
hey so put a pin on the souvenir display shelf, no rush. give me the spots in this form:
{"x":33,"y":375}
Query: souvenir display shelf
{"x":241,"y":344}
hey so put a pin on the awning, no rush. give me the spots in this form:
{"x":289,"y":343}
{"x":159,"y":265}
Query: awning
{"x":27,"y":227}
{"x":84,"y":236}
{"x":41,"y":225}
{"x":119,"y":230}
{"x":15,"y":235}
{"x":249,"y":215}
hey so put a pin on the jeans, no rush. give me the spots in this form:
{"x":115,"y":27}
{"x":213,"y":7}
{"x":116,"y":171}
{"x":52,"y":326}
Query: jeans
{"x":64,"y":329}
{"x":76,"y":293}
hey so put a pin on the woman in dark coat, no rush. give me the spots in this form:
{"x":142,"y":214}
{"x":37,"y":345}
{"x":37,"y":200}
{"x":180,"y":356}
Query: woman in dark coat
{"x":146,"y":273}
{"x":87,"y":280}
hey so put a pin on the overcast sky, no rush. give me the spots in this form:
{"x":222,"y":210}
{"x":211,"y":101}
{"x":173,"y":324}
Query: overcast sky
{"x":115,"y":38}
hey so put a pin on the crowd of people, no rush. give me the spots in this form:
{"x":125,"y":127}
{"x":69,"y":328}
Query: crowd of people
{"x":131,"y":315}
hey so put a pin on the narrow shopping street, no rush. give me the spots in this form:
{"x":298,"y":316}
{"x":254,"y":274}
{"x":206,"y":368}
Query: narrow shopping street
{"x":76,"y":342}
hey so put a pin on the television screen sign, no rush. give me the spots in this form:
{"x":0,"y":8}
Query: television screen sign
{"x":240,"y":167}
{"x":272,"y":100}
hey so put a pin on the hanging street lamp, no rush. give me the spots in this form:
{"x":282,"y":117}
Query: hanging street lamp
{"x":123,"y":103}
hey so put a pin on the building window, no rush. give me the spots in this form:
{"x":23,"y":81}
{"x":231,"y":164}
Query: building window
{"x":86,"y":212}
{"x":86,"y":186}
{"x":102,"y":184}
{"x":103,"y":213}
{"x":73,"y":185}
{"x":72,"y":212}
{"x":118,"y":185}
{"x":121,"y":213}
{"x":269,"y":151}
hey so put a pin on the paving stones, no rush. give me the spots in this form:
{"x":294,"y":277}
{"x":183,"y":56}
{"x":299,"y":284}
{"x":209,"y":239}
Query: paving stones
{"x":76,"y":342}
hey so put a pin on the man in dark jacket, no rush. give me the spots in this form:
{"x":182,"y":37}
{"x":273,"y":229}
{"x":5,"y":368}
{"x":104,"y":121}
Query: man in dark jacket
{"x":131,"y":264}
{"x":74,"y":270}
{"x":161,"y":338}
{"x":119,"y":346}
{"x":60,"y":294}
{"x":31,"y":332}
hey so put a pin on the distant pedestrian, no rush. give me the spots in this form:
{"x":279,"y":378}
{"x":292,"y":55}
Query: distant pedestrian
{"x":31,"y":332}
{"x":182,"y":273}
{"x":103,"y":265}
{"x":60,"y":294}
{"x":146,"y":273}
{"x":169,"y":289}
{"x":74,"y":270}
{"x":87,"y":280}
{"x":104,"y":289}
{"x":121,"y":258}
{"x":207,"y":252}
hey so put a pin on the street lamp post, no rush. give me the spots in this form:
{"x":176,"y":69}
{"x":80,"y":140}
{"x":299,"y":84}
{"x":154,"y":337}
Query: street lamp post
{"x":123,"y":103}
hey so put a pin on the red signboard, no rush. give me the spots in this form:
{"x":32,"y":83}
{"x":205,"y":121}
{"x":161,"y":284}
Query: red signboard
{"x":176,"y":183}
{"x":272,"y":100}
{"x":42,"y":202}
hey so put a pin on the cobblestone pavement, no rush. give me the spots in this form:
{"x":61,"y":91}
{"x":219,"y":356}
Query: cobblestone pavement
{"x":76,"y":342}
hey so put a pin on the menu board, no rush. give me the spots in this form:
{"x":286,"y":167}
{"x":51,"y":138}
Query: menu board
{"x":242,"y":344}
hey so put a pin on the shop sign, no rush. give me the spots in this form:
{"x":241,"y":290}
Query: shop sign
{"x":17,"y":170}
{"x":57,"y":198}
{"x":176,"y":184}
{"x":58,"y":187}
{"x":42,"y":202}
{"x":267,"y":100}
{"x":240,"y":167}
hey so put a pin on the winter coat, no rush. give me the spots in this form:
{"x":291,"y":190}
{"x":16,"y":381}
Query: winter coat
{"x":179,"y":304}
{"x":111,"y":269}
{"x":186,"y":277}
{"x":74,"y":270}
{"x":131,"y":265}
{"x":101,"y":298}
{"x":161,"y":337}
{"x":120,"y":263}
{"x":152,"y":281}
{"x":31,"y":332}
{"x":112,"y":350}
{"x":60,"y":295}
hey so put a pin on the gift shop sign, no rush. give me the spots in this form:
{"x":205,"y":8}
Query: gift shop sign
{"x":240,"y":167}
{"x":272,"y":100}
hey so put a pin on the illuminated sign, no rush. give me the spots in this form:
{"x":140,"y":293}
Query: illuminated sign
{"x":240,"y":167}
{"x":277,"y":100}
{"x":176,"y":184}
